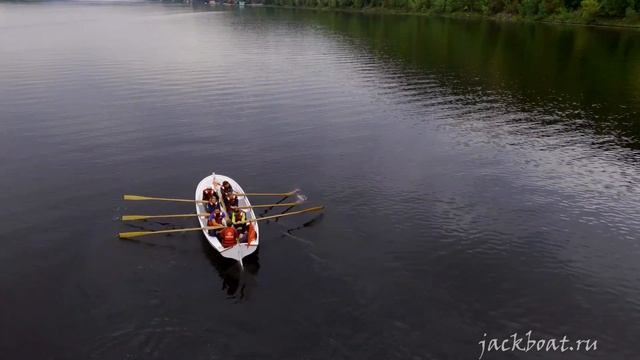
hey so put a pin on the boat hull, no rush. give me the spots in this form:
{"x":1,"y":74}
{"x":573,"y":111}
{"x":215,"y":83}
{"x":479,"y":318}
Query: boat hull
{"x":239,"y":251}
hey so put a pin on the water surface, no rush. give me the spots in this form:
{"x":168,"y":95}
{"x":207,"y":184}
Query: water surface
{"x":478,"y":177}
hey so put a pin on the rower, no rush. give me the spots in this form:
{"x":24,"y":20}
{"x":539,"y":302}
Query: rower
{"x":208,"y":193}
{"x":217,"y":218}
{"x":232,"y":201}
{"x":212,"y":204}
{"x":228,"y":236}
{"x":238,"y":219}
{"x":226,"y":188}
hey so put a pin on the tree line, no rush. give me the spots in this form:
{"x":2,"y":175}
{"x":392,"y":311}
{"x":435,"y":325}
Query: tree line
{"x":561,"y":10}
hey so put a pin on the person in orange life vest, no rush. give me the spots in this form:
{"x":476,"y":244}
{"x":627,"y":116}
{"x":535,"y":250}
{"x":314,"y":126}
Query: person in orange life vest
{"x":208,"y":193}
{"x":217,"y":218}
{"x":238,"y":218}
{"x":212,"y":204}
{"x":228,"y":236}
{"x":251,"y":233}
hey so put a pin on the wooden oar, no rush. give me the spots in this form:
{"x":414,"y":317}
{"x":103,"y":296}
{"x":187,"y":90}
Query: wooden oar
{"x":145,"y":217}
{"x":271,"y":205}
{"x":285,"y":211}
{"x":132,"y":234}
{"x":277,"y":202}
{"x":268,"y":194}
{"x":138,"y":197}
{"x":316,"y":208}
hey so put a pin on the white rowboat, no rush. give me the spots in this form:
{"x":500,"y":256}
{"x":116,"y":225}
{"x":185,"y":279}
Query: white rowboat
{"x":238,"y":251}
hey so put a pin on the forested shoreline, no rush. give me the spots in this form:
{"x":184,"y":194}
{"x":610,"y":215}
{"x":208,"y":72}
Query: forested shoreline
{"x":593,"y":12}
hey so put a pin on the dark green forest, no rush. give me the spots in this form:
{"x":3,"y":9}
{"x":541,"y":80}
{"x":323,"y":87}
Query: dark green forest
{"x":613,"y":12}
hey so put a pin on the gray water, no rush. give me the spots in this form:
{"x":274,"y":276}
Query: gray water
{"x":466,"y":192}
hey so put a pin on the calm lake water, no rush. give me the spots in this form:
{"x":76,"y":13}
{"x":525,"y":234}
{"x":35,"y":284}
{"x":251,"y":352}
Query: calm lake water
{"x":479,"y":177}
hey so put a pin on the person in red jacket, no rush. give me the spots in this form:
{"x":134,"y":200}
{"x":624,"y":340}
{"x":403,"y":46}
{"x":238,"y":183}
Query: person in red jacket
{"x":228,"y":236}
{"x":208,"y":193}
{"x":226,"y":188}
{"x":231,"y":201}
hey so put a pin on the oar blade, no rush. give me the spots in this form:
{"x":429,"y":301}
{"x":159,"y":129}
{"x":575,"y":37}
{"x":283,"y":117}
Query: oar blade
{"x":133,"y":217}
{"x":132,"y":234}
{"x":134,"y":197}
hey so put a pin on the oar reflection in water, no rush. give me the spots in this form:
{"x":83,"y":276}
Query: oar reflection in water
{"x":299,"y":196}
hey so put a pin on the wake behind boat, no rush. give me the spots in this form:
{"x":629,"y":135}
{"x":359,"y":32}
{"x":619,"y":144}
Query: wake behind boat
{"x":241,"y":249}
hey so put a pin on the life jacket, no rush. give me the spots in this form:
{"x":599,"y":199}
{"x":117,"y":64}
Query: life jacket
{"x":207,"y":194}
{"x":238,"y":218}
{"x":211,"y":208}
{"x":228,"y":236}
{"x":251,"y":234}
{"x":232,"y":203}
{"x":226,"y":190}
{"x":215,"y":219}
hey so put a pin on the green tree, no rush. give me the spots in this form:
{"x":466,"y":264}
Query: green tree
{"x":439,"y":5}
{"x":419,"y":5}
{"x":491,"y":7}
{"x":529,"y":8}
{"x":550,"y":7}
{"x":572,"y":4}
{"x":454,"y":5}
{"x":614,"y":7}
{"x":512,"y":6}
{"x":589,"y":10}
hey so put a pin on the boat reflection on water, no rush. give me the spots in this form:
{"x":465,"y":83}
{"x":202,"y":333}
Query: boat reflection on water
{"x":237,"y":281}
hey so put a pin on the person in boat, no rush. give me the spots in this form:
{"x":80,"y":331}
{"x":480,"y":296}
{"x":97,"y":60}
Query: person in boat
{"x":238,"y":219}
{"x":231,"y":201}
{"x":217,"y":218}
{"x":226,"y":188}
{"x":212,"y":204}
{"x":228,"y":236}
{"x":208,"y":193}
